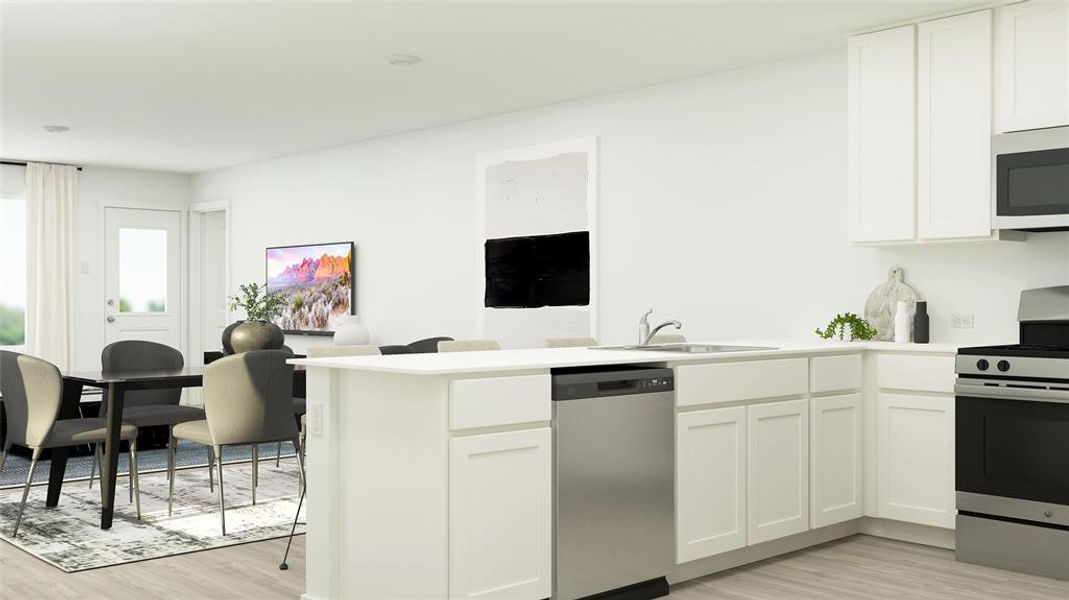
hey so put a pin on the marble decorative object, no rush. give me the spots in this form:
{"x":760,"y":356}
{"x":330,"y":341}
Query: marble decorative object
{"x":882,"y":302}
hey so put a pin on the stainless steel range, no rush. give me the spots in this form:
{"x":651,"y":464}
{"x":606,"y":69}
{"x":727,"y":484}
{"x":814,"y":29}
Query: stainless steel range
{"x":1012,"y":443}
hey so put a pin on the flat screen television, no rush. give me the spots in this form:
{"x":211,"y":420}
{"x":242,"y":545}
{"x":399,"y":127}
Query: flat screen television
{"x":317,"y":282}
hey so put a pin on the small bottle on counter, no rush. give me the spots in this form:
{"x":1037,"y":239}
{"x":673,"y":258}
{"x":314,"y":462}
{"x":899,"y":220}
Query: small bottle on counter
{"x":920,"y":323}
{"x":902,"y":322}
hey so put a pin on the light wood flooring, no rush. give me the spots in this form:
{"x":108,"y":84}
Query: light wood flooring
{"x":857,"y":567}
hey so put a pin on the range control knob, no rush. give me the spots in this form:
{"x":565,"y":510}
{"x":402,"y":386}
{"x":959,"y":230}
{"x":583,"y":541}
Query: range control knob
{"x":982,"y":364}
{"x":1003,"y":365}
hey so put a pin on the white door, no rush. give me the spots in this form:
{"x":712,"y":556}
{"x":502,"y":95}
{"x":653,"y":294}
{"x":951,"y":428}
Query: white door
{"x":214,"y":316}
{"x":881,"y":135}
{"x":954,"y":100}
{"x":778,"y":469}
{"x":915,"y":450}
{"x":500,"y":515}
{"x":710,"y":482}
{"x":1033,"y":66}
{"x":835,"y":459}
{"x":142,"y":275}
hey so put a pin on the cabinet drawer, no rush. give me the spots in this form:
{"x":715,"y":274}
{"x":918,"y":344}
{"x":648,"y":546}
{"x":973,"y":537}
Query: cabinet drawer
{"x":499,"y":401}
{"x":915,"y":372}
{"x":729,"y":382}
{"x":835,"y":373}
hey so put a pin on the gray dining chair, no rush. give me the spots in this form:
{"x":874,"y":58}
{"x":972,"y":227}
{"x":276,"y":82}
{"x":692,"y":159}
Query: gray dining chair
{"x":247,"y":400}
{"x":468,"y":345}
{"x":150,"y":408}
{"x":576,"y":342}
{"x":33,"y":394}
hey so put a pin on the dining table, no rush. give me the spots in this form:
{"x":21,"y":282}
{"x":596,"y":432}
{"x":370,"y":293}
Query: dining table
{"x":116,"y":384}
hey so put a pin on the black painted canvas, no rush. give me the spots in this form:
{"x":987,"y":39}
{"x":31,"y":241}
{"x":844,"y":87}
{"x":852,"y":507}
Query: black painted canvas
{"x":538,"y":270}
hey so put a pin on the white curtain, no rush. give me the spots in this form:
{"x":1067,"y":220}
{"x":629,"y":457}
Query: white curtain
{"x":51,"y":191}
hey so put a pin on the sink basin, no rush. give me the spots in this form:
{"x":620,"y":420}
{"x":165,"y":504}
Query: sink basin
{"x":688,"y":348}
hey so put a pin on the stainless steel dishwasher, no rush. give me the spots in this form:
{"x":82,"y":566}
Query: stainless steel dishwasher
{"x":614,"y":482}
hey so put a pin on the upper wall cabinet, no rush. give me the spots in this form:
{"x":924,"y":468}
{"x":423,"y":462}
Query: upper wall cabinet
{"x":881,"y":107}
{"x":1033,"y":66}
{"x":954,"y":127}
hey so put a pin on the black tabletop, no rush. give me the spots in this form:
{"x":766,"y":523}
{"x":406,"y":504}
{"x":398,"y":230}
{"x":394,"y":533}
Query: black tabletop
{"x":103,"y":378}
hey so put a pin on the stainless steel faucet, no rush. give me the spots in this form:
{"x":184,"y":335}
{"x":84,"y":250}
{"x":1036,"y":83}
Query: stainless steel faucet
{"x":645,"y":334}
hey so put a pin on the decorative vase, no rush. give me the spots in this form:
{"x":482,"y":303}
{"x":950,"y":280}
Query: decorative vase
{"x":902,"y":322}
{"x":920,"y":323}
{"x":243,"y":336}
{"x":352,"y":333}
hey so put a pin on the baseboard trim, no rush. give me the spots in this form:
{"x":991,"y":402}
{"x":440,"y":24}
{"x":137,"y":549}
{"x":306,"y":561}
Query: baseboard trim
{"x":908,"y":532}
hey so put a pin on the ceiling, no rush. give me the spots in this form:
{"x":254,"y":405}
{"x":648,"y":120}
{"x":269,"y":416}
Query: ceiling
{"x":194,"y":86}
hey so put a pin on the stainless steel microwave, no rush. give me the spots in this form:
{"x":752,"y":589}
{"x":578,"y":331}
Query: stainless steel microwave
{"x":1031,"y":180}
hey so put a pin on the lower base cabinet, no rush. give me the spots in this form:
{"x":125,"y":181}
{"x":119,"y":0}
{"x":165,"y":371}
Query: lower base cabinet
{"x":777,"y":469}
{"x":710,"y":482}
{"x":835,"y":448}
{"x":500,"y":515}
{"x":915,"y":449}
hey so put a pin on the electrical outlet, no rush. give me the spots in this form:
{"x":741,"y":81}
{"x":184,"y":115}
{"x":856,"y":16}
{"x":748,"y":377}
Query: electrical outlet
{"x":961,"y":321}
{"x":315,"y":418}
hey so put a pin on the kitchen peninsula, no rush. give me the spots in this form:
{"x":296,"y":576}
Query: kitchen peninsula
{"x":430,"y":475}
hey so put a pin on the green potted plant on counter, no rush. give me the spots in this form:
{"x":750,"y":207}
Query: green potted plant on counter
{"x":859,"y":328}
{"x":256,"y":332}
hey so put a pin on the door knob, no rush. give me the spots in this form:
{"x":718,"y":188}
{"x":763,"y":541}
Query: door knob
{"x":111,"y":318}
{"x":111,"y":302}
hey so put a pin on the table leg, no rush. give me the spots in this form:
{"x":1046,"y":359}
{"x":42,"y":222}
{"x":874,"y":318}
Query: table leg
{"x":116,"y":393}
{"x":68,"y":409}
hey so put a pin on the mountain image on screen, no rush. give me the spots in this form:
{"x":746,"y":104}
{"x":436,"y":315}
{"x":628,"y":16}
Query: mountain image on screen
{"x":316,"y":282}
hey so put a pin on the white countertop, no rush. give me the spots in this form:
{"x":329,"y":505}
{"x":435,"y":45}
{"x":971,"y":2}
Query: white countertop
{"x":549,"y":358}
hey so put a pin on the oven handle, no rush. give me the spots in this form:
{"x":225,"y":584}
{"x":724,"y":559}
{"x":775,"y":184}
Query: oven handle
{"x":1011,"y":393}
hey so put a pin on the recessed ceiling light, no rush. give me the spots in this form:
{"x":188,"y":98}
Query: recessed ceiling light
{"x":404,"y":60}
{"x":56,"y":128}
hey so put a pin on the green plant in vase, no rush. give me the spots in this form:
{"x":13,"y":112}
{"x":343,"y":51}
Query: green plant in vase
{"x":859,"y":328}
{"x":256,"y":332}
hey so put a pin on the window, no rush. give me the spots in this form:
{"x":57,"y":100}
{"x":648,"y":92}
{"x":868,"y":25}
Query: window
{"x":12,"y":272}
{"x":142,"y":270}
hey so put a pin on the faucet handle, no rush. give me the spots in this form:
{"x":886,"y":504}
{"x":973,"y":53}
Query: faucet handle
{"x":645,"y":317}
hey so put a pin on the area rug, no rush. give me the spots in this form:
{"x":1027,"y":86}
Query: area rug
{"x":69,"y":535}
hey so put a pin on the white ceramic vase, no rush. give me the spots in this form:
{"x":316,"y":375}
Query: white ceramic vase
{"x":902,"y":322}
{"x":352,"y":333}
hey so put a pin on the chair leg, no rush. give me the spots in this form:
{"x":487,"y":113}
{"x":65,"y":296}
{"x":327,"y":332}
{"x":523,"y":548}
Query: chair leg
{"x":222,"y":507}
{"x":170,"y":473}
{"x":3,"y":458}
{"x":300,"y":456}
{"x":278,"y":455}
{"x":98,"y":453}
{"x":211,"y":465}
{"x":93,"y":467}
{"x":26,"y":490}
{"x":136,"y":478}
{"x":171,"y":450}
{"x":300,"y":464}
{"x":130,"y":472}
{"x":255,"y":470}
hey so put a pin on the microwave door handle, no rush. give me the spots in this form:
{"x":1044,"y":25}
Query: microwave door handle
{"x":1060,"y":396}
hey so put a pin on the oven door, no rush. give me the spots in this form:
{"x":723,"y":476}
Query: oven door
{"x":1013,"y":442}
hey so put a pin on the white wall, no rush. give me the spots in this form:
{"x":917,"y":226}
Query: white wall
{"x":722,"y":204}
{"x":97,"y":186}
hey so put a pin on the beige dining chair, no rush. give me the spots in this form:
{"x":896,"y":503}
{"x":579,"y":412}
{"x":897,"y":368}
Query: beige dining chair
{"x":467,"y":345}
{"x":247,"y":400}
{"x":33,"y":393}
{"x":576,"y":342}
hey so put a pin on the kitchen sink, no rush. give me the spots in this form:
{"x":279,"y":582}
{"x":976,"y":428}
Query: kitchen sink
{"x":688,"y":348}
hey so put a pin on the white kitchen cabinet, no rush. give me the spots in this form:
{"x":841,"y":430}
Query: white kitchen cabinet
{"x":710,"y":482}
{"x":915,"y":450}
{"x":954,"y":106}
{"x":835,"y":459}
{"x":882,"y":125}
{"x":777,"y":499}
{"x":1033,"y":66}
{"x":500,"y":515}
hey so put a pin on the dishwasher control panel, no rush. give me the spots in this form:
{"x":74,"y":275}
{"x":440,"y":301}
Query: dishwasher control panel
{"x":572,"y":384}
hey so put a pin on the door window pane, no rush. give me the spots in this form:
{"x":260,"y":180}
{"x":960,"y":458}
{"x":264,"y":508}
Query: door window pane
{"x":12,"y":272}
{"x":142,"y":270}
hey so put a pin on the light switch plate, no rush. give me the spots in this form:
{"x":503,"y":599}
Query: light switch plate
{"x":315,"y":419}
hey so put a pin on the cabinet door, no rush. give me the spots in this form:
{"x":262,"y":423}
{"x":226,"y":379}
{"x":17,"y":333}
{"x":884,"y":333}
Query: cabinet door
{"x":1033,"y":66}
{"x":835,"y":459}
{"x":710,"y":482}
{"x":915,"y":449}
{"x":777,"y":498}
{"x":954,"y":100}
{"x":881,"y":128}
{"x":500,"y":515}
